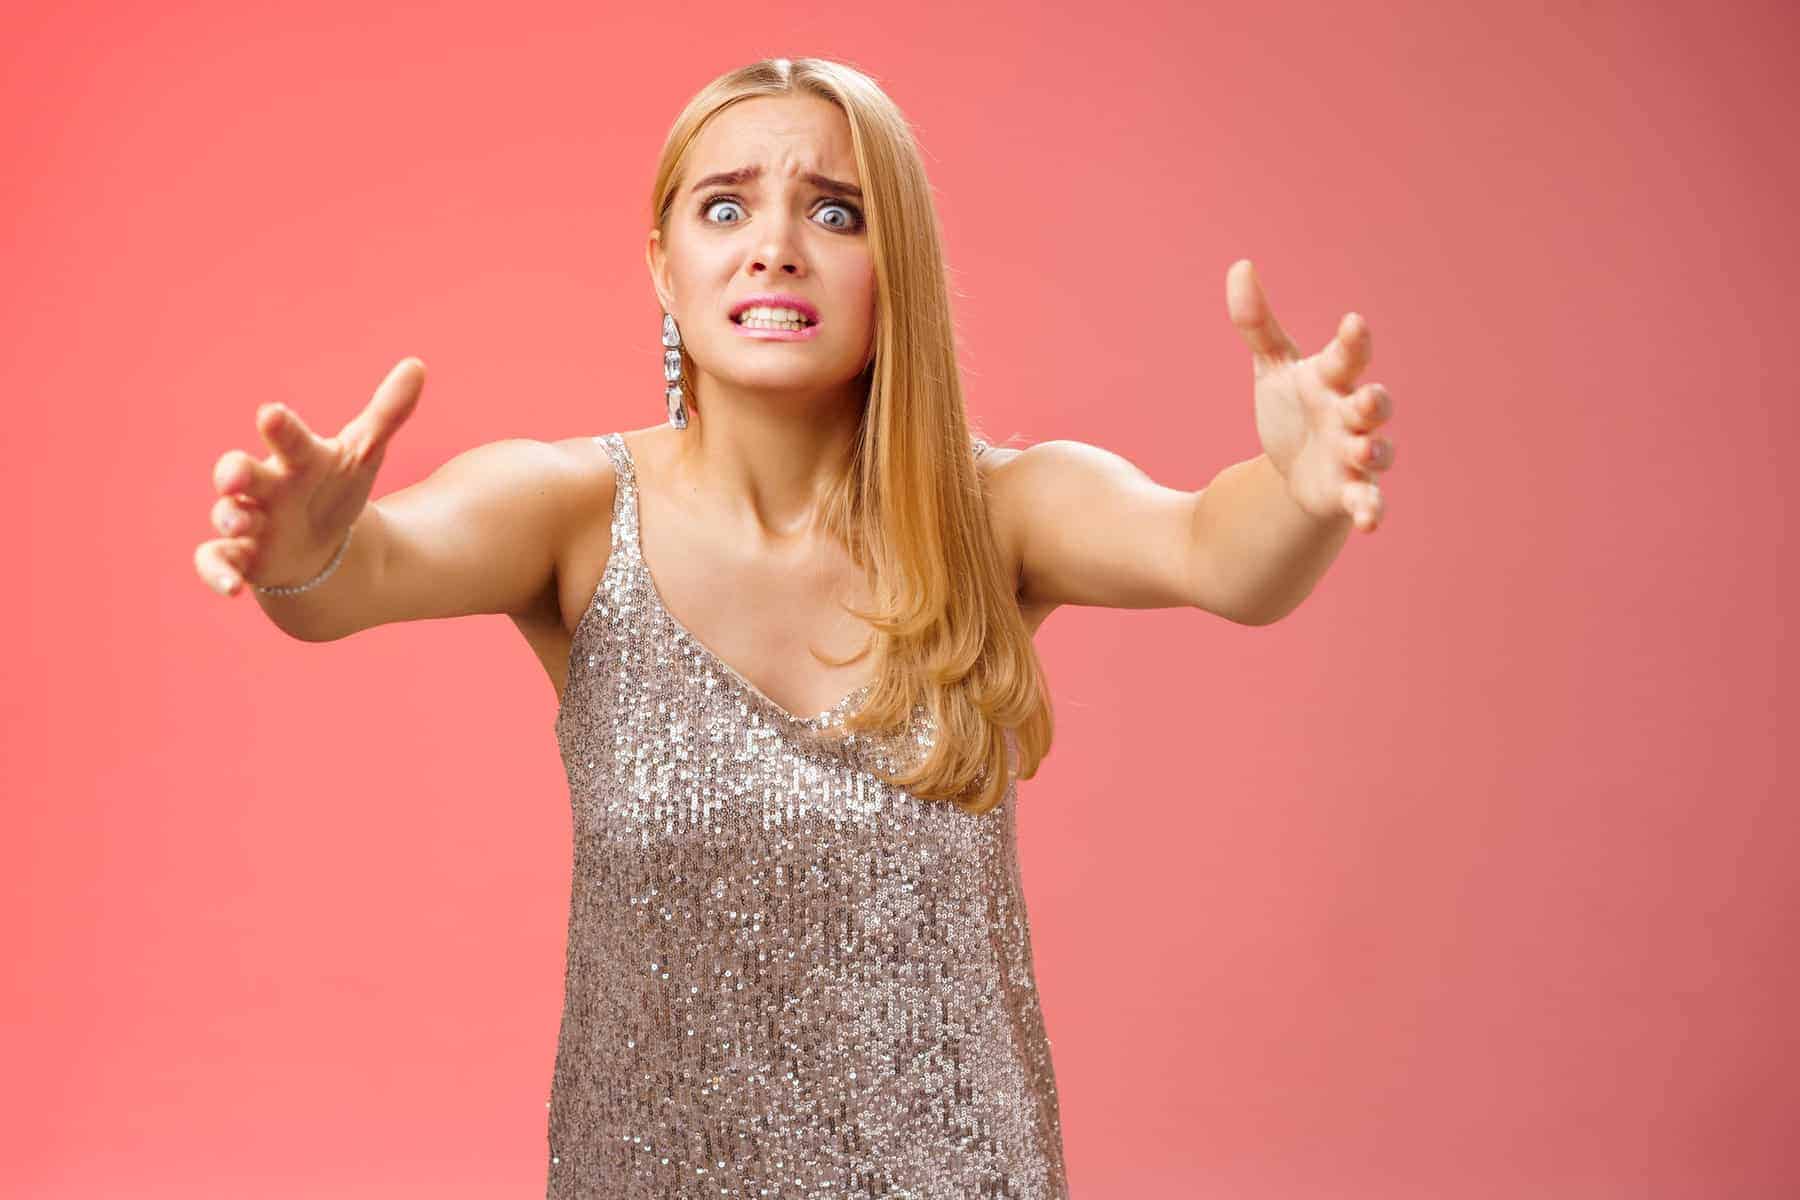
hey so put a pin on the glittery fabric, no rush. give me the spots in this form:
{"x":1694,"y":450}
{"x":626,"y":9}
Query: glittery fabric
{"x":785,"y":978}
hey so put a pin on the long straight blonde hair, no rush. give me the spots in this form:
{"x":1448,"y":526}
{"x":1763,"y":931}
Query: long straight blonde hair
{"x":909,"y":506}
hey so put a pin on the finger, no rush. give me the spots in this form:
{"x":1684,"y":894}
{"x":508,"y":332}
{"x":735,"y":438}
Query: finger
{"x":1377,"y":508}
{"x":1362,"y":500}
{"x":237,"y":472}
{"x":298,"y":448}
{"x":1369,"y":454}
{"x":1345,"y":356}
{"x":1369,"y":407}
{"x":1249,"y":310}
{"x":221,"y":562}
{"x":368,"y":432}
{"x":233,"y":519}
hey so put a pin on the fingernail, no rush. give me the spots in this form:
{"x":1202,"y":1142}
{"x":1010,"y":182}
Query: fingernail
{"x":223,"y":583}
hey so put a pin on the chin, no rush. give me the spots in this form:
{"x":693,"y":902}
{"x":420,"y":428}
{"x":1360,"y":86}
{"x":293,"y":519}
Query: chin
{"x":811,"y":375}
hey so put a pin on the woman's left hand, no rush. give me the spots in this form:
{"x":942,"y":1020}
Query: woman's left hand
{"x":1317,"y":426}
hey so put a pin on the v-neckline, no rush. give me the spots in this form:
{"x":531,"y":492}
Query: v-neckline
{"x":635,"y":531}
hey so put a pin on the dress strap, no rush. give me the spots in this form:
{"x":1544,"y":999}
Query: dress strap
{"x":625,"y":508}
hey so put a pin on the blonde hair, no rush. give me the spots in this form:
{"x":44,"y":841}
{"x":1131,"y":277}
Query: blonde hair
{"x":909,"y":507}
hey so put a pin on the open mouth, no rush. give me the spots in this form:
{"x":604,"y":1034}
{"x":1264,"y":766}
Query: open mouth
{"x":789,"y":319}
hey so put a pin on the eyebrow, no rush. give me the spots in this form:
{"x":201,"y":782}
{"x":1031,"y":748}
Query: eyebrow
{"x":836,"y":187}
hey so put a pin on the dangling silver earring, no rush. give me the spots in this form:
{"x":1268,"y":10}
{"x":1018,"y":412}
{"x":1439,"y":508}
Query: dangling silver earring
{"x":671,"y":339}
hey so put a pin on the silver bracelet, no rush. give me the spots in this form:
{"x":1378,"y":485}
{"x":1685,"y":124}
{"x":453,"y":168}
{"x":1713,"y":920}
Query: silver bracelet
{"x":316,"y":580}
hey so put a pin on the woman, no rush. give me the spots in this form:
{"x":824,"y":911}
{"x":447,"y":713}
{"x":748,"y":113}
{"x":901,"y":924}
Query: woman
{"x":799,"y":960}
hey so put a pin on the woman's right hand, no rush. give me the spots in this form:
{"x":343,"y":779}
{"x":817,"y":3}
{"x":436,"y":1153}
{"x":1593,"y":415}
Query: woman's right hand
{"x":283,"y":517}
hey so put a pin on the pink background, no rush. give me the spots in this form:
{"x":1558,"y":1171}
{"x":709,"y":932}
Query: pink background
{"x":1472,"y":878}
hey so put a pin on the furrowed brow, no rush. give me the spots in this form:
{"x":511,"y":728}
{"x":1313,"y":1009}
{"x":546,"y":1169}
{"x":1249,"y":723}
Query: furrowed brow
{"x":835,"y":187}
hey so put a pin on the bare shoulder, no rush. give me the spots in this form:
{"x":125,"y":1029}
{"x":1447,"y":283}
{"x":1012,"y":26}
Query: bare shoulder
{"x":584,"y":486}
{"x":1021,"y":482}
{"x":591,"y":469}
{"x":1003,"y":471}
{"x":1009,"y":476}
{"x":587,"y":539}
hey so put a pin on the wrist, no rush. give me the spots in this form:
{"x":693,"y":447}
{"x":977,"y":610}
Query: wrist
{"x":318,"y":578}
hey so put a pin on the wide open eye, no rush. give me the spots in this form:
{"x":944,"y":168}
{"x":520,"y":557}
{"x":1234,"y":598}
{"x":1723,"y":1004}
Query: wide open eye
{"x":709,"y":205}
{"x":852,"y":222}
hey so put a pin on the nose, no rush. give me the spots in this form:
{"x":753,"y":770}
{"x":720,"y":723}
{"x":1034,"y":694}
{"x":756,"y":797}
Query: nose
{"x":779,"y":250}
{"x":786,"y":264}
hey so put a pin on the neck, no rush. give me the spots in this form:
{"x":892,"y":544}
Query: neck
{"x":767,"y":458}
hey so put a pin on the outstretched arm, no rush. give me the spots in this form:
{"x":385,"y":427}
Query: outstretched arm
{"x":478,"y":535}
{"x":1092,"y":529}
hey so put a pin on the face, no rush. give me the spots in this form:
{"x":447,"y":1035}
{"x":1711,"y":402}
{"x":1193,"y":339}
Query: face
{"x":785,"y":228}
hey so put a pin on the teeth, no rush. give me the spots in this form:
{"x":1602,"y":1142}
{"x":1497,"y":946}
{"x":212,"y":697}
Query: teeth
{"x":776,"y":318}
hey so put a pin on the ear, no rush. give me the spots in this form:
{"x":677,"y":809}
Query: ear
{"x":657,"y":259}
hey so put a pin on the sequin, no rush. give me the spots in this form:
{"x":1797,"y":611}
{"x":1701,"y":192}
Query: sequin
{"x":785,"y":978}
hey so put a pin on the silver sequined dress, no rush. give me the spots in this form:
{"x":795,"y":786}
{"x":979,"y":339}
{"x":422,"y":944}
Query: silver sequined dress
{"x":785,"y":978}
